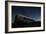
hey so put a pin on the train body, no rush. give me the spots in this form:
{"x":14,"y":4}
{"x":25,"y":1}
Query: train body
{"x":24,"y":21}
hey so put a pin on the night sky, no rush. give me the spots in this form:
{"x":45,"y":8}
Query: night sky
{"x":32,"y":12}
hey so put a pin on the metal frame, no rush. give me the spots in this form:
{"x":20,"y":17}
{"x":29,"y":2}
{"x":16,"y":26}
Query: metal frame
{"x":6,"y":16}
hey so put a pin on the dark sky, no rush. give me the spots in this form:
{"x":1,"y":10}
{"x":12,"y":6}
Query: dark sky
{"x":32,"y":12}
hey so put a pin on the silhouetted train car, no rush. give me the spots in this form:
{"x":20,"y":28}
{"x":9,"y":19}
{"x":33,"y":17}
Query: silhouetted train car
{"x":24,"y":21}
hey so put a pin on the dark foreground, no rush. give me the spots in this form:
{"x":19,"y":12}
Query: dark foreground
{"x":19,"y":25}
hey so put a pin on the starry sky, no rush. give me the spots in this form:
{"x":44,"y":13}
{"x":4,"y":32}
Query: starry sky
{"x":32,"y":12}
